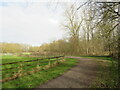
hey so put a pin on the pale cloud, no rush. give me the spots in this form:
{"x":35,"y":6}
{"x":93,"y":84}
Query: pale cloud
{"x":54,"y":21}
{"x":32,"y":22}
{"x":35,"y":24}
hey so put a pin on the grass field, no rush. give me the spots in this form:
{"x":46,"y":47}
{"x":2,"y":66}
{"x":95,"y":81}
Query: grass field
{"x":13,"y":68}
{"x":107,"y":72}
{"x":10,"y":58}
{"x":35,"y":79}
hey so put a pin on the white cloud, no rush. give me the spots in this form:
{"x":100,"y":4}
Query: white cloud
{"x":54,"y":21}
{"x":35,"y":24}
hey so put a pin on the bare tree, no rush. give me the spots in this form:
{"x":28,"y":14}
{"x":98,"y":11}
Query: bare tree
{"x":73,"y":24}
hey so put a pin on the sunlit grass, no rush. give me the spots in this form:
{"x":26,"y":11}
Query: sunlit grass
{"x":10,"y":58}
{"x":26,"y":66}
{"x":36,"y":79}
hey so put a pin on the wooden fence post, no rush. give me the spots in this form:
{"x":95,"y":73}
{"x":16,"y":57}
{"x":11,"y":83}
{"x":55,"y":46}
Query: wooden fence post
{"x":20,"y":70}
{"x":49,"y":62}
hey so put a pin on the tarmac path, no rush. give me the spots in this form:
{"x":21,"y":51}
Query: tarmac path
{"x":80,"y":76}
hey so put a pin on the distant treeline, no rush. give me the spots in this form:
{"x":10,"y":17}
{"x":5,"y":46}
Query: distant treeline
{"x":94,"y":32}
{"x":13,"y":47}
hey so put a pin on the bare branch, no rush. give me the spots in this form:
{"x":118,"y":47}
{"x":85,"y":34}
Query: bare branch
{"x":83,"y":4}
{"x":111,"y":9}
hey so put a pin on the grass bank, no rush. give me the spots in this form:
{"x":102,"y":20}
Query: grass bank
{"x":107,"y":75}
{"x":36,"y":79}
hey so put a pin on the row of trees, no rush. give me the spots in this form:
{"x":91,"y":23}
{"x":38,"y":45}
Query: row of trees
{"x":95,"y":31}
{"x":13,"y":48}
{"x":103,"y":18}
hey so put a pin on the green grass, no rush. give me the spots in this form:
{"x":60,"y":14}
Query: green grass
{"x":107,"y":75}
{"x":36,"y":79}
{"x":9,"y":58}
{"x":10,"y":72}
{"x":100,"y":57}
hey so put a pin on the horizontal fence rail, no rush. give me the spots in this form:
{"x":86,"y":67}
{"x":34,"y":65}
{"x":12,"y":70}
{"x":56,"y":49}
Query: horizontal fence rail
{"x":30,"y":60}
{"x":22,"y":68}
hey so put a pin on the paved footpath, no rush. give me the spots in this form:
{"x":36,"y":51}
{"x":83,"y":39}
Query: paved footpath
{"x":80,"y":76}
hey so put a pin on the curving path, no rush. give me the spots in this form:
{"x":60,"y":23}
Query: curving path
{"x":80,"y":76}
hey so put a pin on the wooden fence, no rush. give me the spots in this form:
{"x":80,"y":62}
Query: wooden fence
{"x":36,"y":65}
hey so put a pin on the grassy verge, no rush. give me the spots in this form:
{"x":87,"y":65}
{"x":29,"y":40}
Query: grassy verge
{"x":107,"y":75}
{"x":100,"y":57}
{"x":36,"y":79}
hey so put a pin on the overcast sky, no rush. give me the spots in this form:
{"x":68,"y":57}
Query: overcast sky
{"x":28,"y":22}
{"x":33,"y":23}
